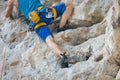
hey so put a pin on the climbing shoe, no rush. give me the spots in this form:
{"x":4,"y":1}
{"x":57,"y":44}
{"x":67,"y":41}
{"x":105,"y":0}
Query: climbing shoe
{"x":63,"y":28}
{"x":64,"y":61}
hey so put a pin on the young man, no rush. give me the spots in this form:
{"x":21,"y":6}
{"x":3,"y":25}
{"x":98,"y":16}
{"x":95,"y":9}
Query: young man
{"x":40,"y":17}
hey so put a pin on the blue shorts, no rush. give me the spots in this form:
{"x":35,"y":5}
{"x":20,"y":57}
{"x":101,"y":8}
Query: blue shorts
{"x":44,"y":31}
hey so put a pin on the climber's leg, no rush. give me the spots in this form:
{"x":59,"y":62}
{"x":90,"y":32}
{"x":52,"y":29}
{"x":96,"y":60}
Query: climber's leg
{"x":64,"y":10}
{"x":66,"y":14}
{"x":53,"y":46}
{"x":46,"y":35}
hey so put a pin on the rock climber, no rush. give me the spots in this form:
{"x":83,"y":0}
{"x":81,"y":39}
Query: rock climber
{"x":40,"y":17}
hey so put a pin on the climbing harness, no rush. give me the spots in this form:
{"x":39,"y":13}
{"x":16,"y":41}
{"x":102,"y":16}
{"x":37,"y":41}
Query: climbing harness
{"x":35,"y":18}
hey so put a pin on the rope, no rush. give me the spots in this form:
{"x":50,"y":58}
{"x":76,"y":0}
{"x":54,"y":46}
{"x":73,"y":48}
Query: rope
{"x":3,"y":63}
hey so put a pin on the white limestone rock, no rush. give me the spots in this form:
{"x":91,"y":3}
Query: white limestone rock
{"x":94,"y":51}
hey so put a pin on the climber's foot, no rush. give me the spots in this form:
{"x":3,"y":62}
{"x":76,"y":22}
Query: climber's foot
{"x":63,"y":28}
{"x":64,"y":61}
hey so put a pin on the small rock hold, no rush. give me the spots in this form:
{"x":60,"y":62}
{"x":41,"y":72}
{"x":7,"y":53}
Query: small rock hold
{"x":14,"y":63}
{"x":99,"y":58}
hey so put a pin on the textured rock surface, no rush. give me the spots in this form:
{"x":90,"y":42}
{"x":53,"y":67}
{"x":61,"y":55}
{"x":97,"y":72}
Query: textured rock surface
{"x":94,"y":48}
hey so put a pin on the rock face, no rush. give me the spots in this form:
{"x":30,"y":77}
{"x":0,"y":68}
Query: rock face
{"x":93,"y":47}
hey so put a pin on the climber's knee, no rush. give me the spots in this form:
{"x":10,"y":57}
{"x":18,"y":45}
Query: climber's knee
{"x":49,"y":39}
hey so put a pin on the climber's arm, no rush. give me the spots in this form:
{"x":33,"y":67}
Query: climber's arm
{"x":9,"y":8}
